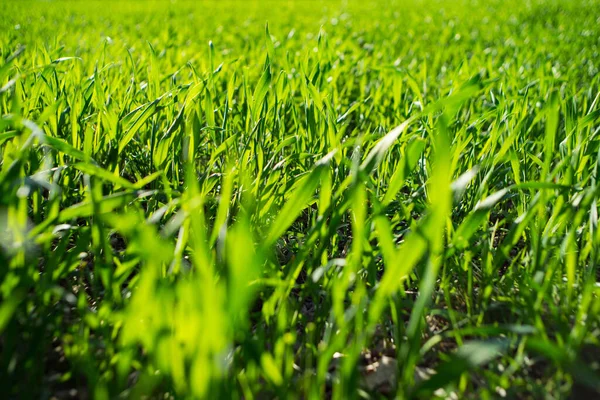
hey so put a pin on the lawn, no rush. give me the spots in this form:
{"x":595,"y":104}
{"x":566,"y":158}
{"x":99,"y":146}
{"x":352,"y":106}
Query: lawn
{"x":299,"y":199}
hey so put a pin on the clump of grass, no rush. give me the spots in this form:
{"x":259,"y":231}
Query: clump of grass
{"x":351,"y":200}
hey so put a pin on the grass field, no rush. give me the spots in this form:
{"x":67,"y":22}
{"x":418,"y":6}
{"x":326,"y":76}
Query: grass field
{"x":300,"y":199}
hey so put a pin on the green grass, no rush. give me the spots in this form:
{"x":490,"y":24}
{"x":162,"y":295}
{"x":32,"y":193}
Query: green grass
{"x":300,"y":199}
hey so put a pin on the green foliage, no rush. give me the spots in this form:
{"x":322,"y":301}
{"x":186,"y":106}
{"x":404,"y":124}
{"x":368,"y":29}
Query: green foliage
{"x":260,"y":200}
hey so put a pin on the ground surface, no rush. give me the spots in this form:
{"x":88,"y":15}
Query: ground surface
{"x":299,"y":199}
